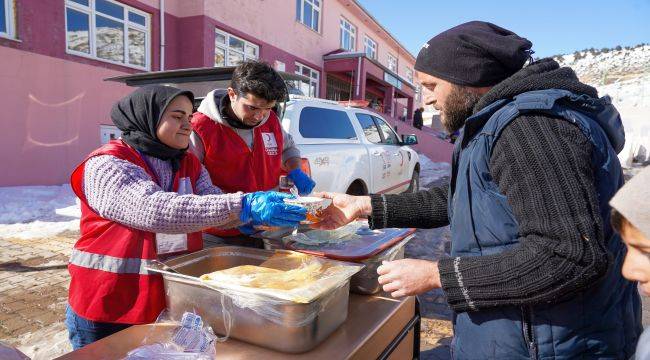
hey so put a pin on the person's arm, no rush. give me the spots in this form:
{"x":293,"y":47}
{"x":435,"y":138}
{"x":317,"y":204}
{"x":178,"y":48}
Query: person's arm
{"x":123,"y":192}
{"x":543,"y":166}
{"x":196,"y":146}
{"x":424,"y":209}
{"x":290,"y":153}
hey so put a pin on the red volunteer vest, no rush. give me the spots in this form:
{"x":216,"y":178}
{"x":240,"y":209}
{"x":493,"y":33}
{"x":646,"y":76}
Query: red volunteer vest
{"x":232,"y":165}
{"x":109,"y":282}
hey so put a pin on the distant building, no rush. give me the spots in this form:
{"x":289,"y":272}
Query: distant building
{"x":56,"y":53}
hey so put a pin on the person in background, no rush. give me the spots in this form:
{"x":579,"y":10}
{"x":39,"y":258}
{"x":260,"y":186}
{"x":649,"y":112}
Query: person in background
{"x":418,"y":122}
{"x":145,"y":198}
{"x":631,"y":219}
{"x":238,"y":137}
{"x":535,"y":267}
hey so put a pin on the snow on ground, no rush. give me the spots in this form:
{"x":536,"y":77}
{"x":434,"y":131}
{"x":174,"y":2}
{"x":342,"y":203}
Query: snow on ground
{"x":47,"y":343}
{"x":632,"y":99}
{"x":29,"y":212}
{"x":431,"y":171}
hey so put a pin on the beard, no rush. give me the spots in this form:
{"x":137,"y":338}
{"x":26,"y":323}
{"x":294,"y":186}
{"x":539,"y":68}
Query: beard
{"x":458,"y":107}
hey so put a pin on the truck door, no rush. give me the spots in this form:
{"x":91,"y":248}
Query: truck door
{"x":400,"y":177}
{"x":381,"y":166}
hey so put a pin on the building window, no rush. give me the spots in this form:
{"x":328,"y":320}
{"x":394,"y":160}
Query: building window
{"x":7,"y":18}
{"x":392,"y":63}
{"x":309,"y":88}
{"x":370,"y":47}
{"x":230,"y":50}
{"x":308,"y":13}
{"x":409,"y":75}
{"x":108,"y":31}
{"x":348,"y":36}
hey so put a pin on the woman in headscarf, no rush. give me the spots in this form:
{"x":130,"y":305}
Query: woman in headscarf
{"x":144,"y":197}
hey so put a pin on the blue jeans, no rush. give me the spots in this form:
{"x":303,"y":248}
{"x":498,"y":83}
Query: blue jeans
{"x":82,"y":332}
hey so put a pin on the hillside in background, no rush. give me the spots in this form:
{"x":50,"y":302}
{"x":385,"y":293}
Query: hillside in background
{"x":624,"y":75}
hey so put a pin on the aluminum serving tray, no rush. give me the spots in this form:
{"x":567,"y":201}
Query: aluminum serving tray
{"x":364,"y":282}
{"x":185,"y":292}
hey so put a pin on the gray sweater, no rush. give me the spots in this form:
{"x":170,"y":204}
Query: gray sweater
{"x":121,"y":191}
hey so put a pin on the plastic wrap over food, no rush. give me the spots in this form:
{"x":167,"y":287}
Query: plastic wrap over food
{"x":189,"y":339}
{"x":349,"y":232}
{"x":288,"y":276}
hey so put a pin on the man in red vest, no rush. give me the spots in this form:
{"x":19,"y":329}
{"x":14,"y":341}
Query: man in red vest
{"x":238,"y":137}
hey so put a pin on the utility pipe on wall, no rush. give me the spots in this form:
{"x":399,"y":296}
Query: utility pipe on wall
{"x":162,"y":35}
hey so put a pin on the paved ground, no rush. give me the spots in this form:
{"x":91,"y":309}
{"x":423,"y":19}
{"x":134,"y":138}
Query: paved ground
{"x":33,"y":290}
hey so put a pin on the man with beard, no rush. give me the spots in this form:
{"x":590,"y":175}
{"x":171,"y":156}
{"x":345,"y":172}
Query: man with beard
{"x":535,"y":267}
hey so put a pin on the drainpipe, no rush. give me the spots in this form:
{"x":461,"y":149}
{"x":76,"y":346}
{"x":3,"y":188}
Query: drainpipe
{"x":358,"y":76}
{"x":162,"y":35}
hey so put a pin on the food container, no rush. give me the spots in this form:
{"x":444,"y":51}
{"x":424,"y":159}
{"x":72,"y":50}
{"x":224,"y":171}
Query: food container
{"x":370,"y":248}
{"x":314,"y":206}
{"x":273,"y":323}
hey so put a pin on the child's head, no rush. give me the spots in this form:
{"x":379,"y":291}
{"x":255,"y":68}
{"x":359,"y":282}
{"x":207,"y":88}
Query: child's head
{"x":631,"y":218}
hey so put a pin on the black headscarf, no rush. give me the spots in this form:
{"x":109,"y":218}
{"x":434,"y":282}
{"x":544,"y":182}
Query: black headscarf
{"x":138,"y":114}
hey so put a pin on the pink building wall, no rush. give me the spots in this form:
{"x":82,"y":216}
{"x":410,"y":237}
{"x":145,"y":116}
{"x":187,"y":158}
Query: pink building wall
{"x":282,"y":31}
{"x":53,"y":102}
{"x":52,"y":109}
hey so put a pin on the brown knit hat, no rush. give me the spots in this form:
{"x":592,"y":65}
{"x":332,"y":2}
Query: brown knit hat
{"x":633,"y":201}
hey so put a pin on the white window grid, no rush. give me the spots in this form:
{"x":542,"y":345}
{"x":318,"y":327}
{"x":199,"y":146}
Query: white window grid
{"x":392,"y":63}
{"x":9,"y":20}
{"x":315,"y":15}
{"x":409,"y":75}
{"x":314,"y":76}
{"x":227,"y":50}
{"x":370,"y":47}
{"x":349,"y":33}
{"x":90,"y":10}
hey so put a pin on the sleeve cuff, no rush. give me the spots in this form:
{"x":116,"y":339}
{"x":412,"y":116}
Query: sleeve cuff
{"x":377,"y":219}
{"x":451,"y":279}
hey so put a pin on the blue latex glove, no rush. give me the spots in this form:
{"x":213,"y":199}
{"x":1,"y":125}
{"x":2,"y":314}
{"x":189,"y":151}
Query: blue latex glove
{"x":302,"y":181}
{"x":268,"y":208}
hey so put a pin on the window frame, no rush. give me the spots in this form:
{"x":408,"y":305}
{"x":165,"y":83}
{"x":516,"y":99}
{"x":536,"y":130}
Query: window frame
{"x":378,"y":122}
{"x":226,"y":47}
{"x":10,"y":22}
{"x":319,"y":9}
{"x":352,"y":32}
{"x":367,"y":40}
{"x":388,"y":65}
{"x":374,"y":124}
{"x":92,"y":12}
{"x":409,"y":75}
{"x":299,"y":68}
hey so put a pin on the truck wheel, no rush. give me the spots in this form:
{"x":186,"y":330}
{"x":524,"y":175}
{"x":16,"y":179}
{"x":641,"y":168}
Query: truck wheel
{"x":415,"y":182}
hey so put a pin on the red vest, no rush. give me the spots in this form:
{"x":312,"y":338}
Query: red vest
{"x":232,"y":165}
{"x":109,"y":280}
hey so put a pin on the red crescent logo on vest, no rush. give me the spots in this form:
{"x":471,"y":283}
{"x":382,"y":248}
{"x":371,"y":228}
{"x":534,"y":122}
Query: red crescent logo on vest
{"x":270,"y":145}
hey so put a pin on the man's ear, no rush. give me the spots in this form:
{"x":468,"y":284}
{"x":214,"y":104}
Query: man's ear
{"x":232,"y":94}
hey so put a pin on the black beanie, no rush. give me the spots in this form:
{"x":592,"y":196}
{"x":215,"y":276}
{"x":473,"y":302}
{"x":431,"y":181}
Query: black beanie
{"x":474,"y":54}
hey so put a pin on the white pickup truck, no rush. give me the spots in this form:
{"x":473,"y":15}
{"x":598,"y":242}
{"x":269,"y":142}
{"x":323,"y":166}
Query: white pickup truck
{"x":351,"y":150}
{"x":348,"y":150}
